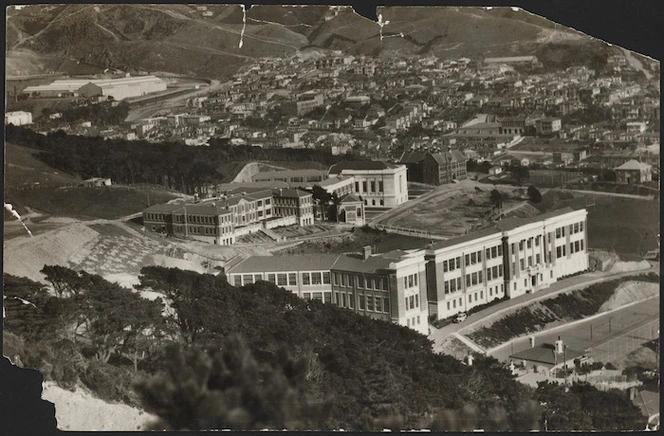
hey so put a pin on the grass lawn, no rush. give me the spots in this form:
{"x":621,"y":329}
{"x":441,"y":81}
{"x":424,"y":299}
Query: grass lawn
{"x":85,"y":203}
{"x":628,"y":226}
{"x":22,"y":168}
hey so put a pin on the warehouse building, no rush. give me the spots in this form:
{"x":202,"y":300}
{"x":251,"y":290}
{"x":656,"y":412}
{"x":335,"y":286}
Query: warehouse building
{"x":118,"y":89}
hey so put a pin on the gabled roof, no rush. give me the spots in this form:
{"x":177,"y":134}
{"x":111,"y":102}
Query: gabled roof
{"x":305,"y":262}
{"x":633,"y":164}
{"x":360,"y":165}
{"x":349,"y":198}
{"x":412,"y":157}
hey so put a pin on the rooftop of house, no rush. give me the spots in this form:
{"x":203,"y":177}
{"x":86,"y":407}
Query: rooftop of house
{"x":633,"y":164}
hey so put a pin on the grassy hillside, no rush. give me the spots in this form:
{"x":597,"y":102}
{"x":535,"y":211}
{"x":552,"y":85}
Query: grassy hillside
{"x":179,"y":39}
{"x":86,"y":203}
{"x":22,"y":168}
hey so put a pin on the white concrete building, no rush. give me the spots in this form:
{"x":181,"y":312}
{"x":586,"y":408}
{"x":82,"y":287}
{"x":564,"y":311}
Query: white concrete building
{"x":515,"y":257}
{"x":378,"y":184}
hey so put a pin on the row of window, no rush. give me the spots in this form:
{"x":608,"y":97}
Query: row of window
{"x":576,"y":246}
{"x":368,"y":303}
{"x":522,"y":262}
{"x":497,"y":290}
{"x":412,"y":302}
{"x":284,"y":279}
{"x":572,"y":229}
{"x":411,"y":321}
{"x":473,"y":258}
{"x":452,"y":264}
{"x":410,"y":281}
{"x":325,"y":297}
{"x":362,"y":282}
{"x":494,"y":252}
{"x":369,"y":186}
{"x":529,"y":242}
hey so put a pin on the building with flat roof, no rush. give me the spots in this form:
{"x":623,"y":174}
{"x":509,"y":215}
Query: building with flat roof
{"x":377,"y":183}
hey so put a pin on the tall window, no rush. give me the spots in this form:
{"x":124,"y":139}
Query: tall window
{"x":292,"y":279}
{"x":281,"y":279}
{"x":316,"y":278}
{"x":326,"y":278}
{"x":306,"y":279}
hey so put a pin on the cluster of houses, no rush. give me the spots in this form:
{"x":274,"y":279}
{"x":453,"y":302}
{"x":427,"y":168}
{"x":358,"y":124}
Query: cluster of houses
{"x":514,"y":257}
{"x":379,"y":108}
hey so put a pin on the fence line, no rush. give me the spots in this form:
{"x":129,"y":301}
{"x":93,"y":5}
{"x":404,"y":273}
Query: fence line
{"x":627,"y":342}
{"x":409,"y":232}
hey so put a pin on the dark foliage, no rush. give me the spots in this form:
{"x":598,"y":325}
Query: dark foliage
{"x":534,"y":194}
{"x":583,"y":407}
{"x":173,"y":164}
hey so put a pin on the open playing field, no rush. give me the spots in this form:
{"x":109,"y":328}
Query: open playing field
{"x":448,"y":210}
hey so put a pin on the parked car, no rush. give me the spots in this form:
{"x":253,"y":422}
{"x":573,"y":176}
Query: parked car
{"x":461,"y":317}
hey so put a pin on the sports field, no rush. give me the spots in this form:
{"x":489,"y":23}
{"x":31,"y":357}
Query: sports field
{"x":608,"y":338}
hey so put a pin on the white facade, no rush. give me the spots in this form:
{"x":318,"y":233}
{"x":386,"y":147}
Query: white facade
{"x":18,"y":118}
{"x":518,"y":256}
{"x":411,"y":291}
{"x":465,"y":275}
{"x":385,"y":188}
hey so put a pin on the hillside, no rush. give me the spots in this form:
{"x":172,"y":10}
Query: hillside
{"x":180,"y":39}
{"x":259,"y":357}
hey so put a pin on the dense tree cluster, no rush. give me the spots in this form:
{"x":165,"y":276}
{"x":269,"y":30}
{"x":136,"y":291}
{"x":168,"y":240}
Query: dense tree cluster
{"x":173,"y":164}
{"x":100,"y":114}
{"x":211,"y":355}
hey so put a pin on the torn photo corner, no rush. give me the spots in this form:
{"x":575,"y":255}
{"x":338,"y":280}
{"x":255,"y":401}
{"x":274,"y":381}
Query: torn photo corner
{"x":332,"y":217}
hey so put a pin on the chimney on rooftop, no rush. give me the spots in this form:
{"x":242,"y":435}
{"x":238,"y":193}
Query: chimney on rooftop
{"x":366,"y":252}
{"x":559,"y":345}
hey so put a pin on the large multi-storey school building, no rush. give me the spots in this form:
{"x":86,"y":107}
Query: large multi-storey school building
{"x":380,"y":184}
{"x":389,"y":286}
{"x":514,"y":257}
{"x":221,"y":221}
